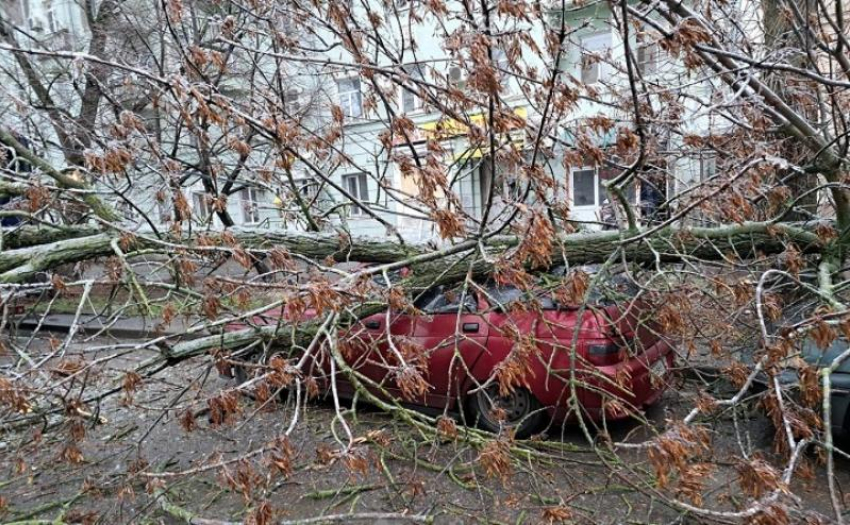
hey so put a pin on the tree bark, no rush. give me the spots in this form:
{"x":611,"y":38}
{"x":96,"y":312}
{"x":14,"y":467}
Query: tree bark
{"x":28,"y":236}
{"x":781,"y":38}
{"x":666,"y":245}
{"x":97,"y":206}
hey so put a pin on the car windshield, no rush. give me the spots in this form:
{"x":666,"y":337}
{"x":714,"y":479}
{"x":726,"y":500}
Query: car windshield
{"x":442,"y":300}
{"x":506,"y":295}
{"x":607,"y":291}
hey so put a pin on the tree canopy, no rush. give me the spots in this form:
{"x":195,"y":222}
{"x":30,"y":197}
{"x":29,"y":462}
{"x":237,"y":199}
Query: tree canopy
{"x":320,"y":162}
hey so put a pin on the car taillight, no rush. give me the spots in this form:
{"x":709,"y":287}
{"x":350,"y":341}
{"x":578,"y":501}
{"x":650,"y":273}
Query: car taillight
{"x":609,"y":353}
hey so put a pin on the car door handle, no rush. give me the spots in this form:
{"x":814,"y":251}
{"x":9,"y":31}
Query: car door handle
{"x":373,"y":325}
{"x":470,"y":327}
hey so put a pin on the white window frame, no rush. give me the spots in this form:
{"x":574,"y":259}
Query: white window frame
{"x":350,"y":98}
{"x":414,"y":71}
{"x":252,"y":198}
{"x":467,"y":186}
{"x":308,"y":188}
{"x":288,"y":26}
{"x":707,"y":165}
{"x":200,"y":206}
{"x":632,"y":191}
{"x":458,"y":83}
{"x":508,"y":184}
{"x":502,"y":65}
{"x":292,"y":100}
{"x":164,"y":210}
{"x":50,"y":17}
{"x":596,"y":203}
{"x":359,"y":190}
{"x":647,"y":64}
{"x":596,"y":45}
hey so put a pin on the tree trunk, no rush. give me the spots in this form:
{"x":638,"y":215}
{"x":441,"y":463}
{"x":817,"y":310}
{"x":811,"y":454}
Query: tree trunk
{"x":782,"y":39}
{"x":666,"y":245}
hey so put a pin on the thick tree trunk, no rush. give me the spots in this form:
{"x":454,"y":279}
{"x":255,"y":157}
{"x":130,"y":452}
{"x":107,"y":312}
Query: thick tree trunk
{"x":28,"y":236}
{"x":63,"y":179}
{"x":782,"y":39}
{"x":8,"y":189}
{"x":666,"y":245}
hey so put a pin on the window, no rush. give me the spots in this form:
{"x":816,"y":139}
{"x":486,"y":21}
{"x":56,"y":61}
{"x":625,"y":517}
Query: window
{"x":707,"y":166}
{"x":514,"y":189}
{"x":584,"y":187}
{"x":588,"y":187}
{"x":500,"y":59}
{"x":631,"y":194}
{"x":456,"y":77}
{"x":35,"y":23}
{"x":647,"y":58}
{"x":308,"y":189}
{"x":50,"y":15}
{"x":127,"y":210}
{"x":356,"y":185}
{"x":593,"y":51}
{"x":508,"y":187}
{"x":292,"y":100}
{"x":469,"y":191}
{"x":500,"y":62}
{"x":288,"y":24}
{"x":350,"y":98}
{"x":200,"y":206}
{"x":410,"y":100}
{"x":503,"y":297}
{"x":163,"y":210}
{"x":439,"y":300}
{"x":252,"y":201}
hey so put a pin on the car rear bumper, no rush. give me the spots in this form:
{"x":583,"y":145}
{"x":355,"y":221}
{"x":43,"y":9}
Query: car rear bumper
{"x":617,"y":391}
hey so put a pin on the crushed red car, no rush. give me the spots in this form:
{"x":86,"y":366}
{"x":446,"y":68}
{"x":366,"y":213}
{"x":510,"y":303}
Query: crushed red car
{"x":508,"y":358}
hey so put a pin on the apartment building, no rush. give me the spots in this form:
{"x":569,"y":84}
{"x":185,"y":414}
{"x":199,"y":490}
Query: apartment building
{"x":374,"y":174}
{"x":595,"y":55}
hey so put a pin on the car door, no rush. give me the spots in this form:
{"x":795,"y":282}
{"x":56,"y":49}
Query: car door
{"x":366,"y":348}
{"x":452,"y":333}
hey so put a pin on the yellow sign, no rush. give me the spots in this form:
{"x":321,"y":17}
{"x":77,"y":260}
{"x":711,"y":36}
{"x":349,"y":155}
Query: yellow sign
{"x":446,"y":128}
{"x":517,"y":142}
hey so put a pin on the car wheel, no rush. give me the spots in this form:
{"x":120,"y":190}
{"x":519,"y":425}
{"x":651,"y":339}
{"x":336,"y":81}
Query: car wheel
{"x":240,"y":375}
{"x":522,"y":411}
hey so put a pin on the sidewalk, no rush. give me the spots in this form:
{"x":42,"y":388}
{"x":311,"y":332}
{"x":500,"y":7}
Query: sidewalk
{"x":124,"y":328}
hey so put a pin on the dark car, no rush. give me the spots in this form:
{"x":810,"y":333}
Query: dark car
{"x":819,"y":358}
{"x":469,"y":345}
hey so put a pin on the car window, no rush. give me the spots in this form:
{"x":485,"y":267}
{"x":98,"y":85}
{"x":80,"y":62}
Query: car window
{"x":423,"y":299}
{"x":503,"y":296}
{"x":448,"y":301}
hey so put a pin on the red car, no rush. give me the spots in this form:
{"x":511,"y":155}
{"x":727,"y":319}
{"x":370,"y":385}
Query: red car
{"x":467,"y":346}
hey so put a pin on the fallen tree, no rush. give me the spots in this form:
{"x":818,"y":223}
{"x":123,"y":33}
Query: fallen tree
{"x":148,"y":172}
{"x":40,"y":252}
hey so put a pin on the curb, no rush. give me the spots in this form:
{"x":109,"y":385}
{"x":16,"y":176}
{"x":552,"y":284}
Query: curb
{"x":94,"y":326}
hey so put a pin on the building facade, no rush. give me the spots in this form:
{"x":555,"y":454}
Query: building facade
{"x":386,"y":177}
